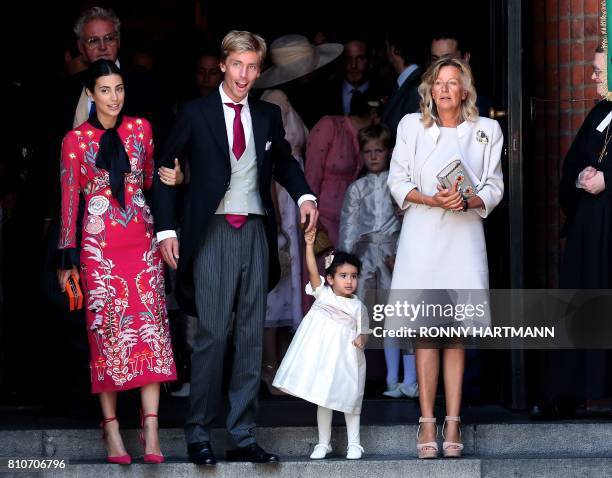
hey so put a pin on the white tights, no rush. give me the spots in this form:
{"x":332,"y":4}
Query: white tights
{"x":324,"y":423}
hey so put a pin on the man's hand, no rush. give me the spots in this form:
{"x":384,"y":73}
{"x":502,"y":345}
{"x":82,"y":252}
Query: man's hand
{"x":309,"y":209}
{"x":170,"y":251}
{"x":595,"y":183}
{"x":586,"y":173}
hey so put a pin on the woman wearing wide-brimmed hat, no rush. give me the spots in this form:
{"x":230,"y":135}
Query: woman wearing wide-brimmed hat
{"x":292,"y":57}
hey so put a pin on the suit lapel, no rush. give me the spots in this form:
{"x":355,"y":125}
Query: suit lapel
{"x":213,"y":111}
{"x":260,"y":124}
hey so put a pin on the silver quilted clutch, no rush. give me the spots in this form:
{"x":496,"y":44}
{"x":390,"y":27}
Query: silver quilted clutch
{"x":453,"y":173}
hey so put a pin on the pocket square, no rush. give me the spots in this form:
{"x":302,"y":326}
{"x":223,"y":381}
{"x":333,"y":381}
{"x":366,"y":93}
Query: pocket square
{"x":268,"y":145}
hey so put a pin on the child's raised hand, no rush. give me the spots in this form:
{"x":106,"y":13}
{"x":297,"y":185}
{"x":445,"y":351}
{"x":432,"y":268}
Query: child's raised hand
{"x":360,"y":341}
{"x":310,"y":236}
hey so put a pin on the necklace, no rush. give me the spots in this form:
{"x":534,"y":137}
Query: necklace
{"x":604,"y":150}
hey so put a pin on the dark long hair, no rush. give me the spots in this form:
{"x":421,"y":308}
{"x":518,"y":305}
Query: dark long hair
{"x":100,"y":68}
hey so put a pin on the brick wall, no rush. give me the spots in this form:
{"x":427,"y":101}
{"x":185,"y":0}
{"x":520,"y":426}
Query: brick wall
{"x":564,"y":37}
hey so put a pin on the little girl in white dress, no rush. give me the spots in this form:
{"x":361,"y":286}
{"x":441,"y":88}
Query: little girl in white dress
{"x":325,"y":363}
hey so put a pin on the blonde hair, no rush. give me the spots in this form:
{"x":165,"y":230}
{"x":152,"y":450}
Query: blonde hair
{"x":468,"y":112}
{"x":242,"y":41}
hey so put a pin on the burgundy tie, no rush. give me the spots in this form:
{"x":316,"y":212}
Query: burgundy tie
{"x":239,"y":141}
{"x":237,"y":220}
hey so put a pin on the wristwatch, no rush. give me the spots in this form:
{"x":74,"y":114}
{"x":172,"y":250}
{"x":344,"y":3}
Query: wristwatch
{"x":465,"y":205}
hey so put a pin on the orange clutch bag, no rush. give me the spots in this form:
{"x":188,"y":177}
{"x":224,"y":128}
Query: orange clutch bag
{"x":74,"y":293}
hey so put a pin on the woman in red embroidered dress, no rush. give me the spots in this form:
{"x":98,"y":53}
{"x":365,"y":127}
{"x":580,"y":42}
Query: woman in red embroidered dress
{"x":108,"y":162}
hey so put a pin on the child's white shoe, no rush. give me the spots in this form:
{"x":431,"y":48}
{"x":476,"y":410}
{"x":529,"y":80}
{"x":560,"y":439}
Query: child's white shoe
{"x":354,"y":452}
{"x":393,"y":390}
{"x":321,"y":450}
{"x":410,"y":391}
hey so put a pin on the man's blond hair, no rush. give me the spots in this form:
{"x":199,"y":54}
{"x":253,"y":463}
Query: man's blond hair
{"x":241,"y":41}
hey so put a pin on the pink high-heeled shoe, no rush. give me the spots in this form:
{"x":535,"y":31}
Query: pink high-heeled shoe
{"x":149,"y":457}
{"x":430,"y":448}
{"x":451,"y":449}
{"x":116,"y":460}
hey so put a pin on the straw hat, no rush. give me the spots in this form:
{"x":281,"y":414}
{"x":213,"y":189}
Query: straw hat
{"x":293,"y":56}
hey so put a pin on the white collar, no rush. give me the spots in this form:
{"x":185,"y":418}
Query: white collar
{"x":462,"y":129}
{"x":227,"y":99}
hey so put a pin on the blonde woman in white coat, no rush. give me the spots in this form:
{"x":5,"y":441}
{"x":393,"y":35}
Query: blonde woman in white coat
{"x":442,"y":244}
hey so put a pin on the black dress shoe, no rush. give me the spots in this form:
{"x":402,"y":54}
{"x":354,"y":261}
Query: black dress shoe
{"x":253,"y":453}
{"x":201,"y":453}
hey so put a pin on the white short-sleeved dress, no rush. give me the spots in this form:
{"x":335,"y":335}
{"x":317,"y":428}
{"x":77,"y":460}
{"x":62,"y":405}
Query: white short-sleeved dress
{"x":322,"y":365}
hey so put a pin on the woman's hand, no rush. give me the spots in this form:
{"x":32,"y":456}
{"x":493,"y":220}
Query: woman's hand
{"x":171,"y":177}
{"x":448,"y":199}
{"x":310,"y":236}
{"x":64,"y":274}
{"x":360,"y":341}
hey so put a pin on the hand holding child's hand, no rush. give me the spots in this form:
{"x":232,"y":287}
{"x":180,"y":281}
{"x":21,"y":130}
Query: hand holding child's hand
{"x":310,"y":236}
{"x":360,"y":341}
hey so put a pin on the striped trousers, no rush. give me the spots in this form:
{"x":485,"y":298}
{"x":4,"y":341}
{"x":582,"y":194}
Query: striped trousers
{"x":230,"y":274}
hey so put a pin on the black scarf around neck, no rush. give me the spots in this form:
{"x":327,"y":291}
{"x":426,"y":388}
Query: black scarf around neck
{"x":112,"y":157}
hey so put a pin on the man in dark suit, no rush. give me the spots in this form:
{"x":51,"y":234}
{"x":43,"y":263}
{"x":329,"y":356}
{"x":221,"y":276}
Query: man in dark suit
{"x":228,"y":250}
{"x":401,"y":54}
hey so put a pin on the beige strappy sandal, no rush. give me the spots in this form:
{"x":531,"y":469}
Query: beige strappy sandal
{"x":451,"y":449}
{"x":429,"y":449}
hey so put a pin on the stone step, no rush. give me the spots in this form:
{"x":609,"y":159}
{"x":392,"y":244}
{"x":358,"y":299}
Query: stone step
{"x":482,"y":440}
{"x":371,"y":467}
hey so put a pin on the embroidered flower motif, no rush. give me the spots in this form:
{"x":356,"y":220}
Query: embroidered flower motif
{"x":130,"y":125}
{"x":95,"y":225}
{"x":138,"y":121}
{"x":481,"y":137}
{"x":72,"y":156}
{"x":459,"y":178}
{"x":138,"y":198}
{"x":89,"y":133}
{"x":77,"y":132}
{"x":108,"y":192}
{"x":82,"y":146}
{"x":98,"y":205}
{"x":146,"y":215}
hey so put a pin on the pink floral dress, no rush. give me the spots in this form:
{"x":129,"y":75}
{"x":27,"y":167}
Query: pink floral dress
{"x":121,"y":266}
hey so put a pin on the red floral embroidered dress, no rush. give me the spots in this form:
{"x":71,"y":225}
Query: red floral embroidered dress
{"x":121,"y":266}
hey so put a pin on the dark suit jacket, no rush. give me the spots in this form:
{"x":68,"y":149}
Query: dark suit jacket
{"x":199,"y":135}
{"x":405,"y":100}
